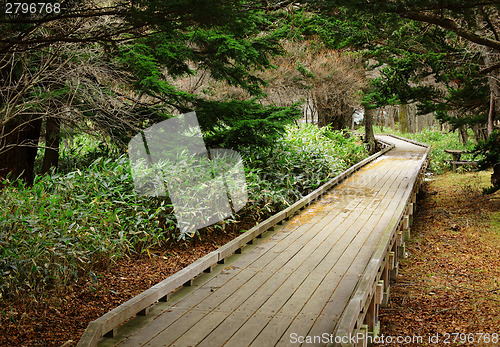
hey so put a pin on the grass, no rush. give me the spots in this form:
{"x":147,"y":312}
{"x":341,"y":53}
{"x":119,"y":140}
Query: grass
{"x":85,"y":216}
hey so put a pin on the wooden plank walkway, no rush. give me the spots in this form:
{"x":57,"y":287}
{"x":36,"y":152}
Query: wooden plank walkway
{"x":295,"y":281}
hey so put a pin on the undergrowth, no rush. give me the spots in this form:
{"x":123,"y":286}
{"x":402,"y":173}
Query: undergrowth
{"x":305,"y":158}
{"x":51,"y":232}
{"x":86,"y":215}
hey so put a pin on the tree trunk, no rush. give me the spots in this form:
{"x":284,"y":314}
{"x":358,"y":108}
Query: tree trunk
{"x":477,"y":134}
{"x":381,"y":118}
{"x":322,"y":117}
{"x":491,"y":58}
{"x":419,"y":124}
{"x":369,"y":136}
{"x":403,"y":118}
{"x":390,"y":116}
{"x":491,"y":114}
{"x":52,"y":136}
{"x":490,"y":21}
{"x":464,"y":136}
{"x":18,"y":148}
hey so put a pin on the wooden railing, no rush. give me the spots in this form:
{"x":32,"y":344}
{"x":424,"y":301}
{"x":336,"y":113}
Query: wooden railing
{"x":107,"y":324}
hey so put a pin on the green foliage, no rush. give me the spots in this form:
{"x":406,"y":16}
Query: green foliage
{"x":122,"y":62}
{"x":415,"y":53}
{"x":228,"y":123}
{"x":53,"y":231}
{"x":342,"y":29}
{"x":144,"y":61}
{"x":304,"y":71}
{"x":489,"y":151}
{"x":67,"y":224}
{"x":419,"y":57}
{"x":231,"y":47}
{"x":300,"y":162}
{"x":82,"y":152}
{"x":490,"y":190}
{"x":243,"y":124}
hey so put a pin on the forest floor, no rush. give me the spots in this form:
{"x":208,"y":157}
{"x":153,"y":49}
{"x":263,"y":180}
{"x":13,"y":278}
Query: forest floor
{"x":448,"y":283}
{"x":448,"y":287}
{"x":59,"y":318}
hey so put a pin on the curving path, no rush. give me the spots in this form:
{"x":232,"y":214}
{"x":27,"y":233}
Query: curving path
{"x":298,"y":279}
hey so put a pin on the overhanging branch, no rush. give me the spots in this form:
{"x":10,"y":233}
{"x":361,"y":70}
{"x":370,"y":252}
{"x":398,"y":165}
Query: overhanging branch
{"x":451,"y":25}
{"x":490,"y":69}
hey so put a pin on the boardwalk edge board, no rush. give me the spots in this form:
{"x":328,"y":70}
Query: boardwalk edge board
{"x":408,"y":140}
{"x":107,"y":324}
{"x":361,"y":313}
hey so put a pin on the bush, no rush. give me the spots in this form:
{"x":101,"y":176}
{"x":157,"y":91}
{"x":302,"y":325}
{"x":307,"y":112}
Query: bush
{"x":66,"y":224}
{"x":79,"y":151}
{"x":305,"y":158}
{"x":51,"y":232}
{"x":488,"y":151}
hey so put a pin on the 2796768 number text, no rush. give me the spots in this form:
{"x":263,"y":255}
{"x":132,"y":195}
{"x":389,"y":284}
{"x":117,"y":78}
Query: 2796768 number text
{"x":32,"y":8}
{"x":470,"y":338}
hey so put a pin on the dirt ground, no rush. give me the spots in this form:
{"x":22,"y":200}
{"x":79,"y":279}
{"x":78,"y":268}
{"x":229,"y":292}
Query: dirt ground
{"x":448,"y":288}
{"x":449,"y":282}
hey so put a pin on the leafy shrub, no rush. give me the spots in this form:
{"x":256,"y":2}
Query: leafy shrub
{"x":305,"y":158}
{"x":52,"y":231}
{"x":489,"y":150}
{"x":64,"y":225}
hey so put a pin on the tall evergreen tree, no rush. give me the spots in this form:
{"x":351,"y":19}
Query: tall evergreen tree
{"x":148,"y":43}
{"x":444,"y":55}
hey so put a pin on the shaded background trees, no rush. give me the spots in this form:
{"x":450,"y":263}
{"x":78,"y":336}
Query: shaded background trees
{"x":108,"y":69}
{"x":326,"y":82}
{"x":118,"y":67}
{"x":442,"y":56}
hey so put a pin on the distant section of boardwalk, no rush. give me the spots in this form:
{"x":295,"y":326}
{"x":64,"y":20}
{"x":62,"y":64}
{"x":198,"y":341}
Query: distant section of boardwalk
{"x":297,"y":280}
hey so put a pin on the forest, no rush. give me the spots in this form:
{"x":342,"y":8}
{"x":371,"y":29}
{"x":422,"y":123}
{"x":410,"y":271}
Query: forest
{"x":299,"y":89}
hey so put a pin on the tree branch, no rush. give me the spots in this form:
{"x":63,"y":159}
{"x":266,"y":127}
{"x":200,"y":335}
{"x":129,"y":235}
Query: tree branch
{"x":490,"y":24}
{"x":457,"y":6}
{"x":449,"y":24}
{"x":490,"y":69}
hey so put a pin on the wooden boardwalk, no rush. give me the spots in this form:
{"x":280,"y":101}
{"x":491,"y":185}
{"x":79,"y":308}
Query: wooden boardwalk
{"x":298,"y":279}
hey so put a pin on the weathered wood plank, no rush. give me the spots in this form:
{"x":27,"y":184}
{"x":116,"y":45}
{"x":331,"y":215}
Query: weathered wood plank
{"x":287,"y":289}
{"x":352,"y":273}
{"x":119,"y":315}
{"x":350,"y":316}
{"x":300,"y":279}
{"x":244,"y":284}
{"x":141,"y":302}
{"x":291,"y":293}
{"x":338,"y":258}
